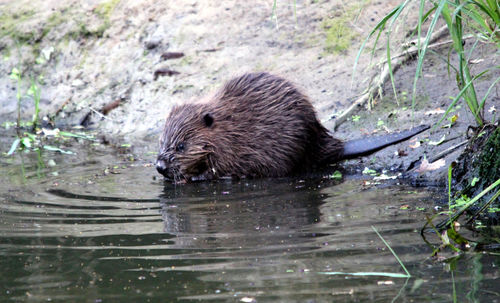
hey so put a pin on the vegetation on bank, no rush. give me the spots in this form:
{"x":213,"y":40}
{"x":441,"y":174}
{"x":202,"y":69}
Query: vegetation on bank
{"x":65,"y":24}
{"x":479,"y":19}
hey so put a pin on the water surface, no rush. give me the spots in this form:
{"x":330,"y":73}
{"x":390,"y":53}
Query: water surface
{"x":96,"y":228}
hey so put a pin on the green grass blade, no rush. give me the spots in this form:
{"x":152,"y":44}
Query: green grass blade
{"x":469,"y":204}
{"x":452,"y":104}
{"x":388,"y":48}
{"x":474,"y":15}
{"x":274,"y":17}
{"x":455,"y":299}
{"x":393,"y":253}
{"x":423,"y":48}
{"x":389,"y":65}
{"x":496,"y":195}
{"x":492,"y":10}
{"x":379,"y":27}
{"x":481,"y":105}
{"x":449,"y":188}
{"x":364,"y":274}
{"x":471,"y":51}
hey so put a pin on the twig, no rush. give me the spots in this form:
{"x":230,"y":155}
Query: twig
{"x":435,"y":45}
{"x":375,"y":90}
{"x":434,"y":37}
{"x":447,"y":151}
{"x":101,"y":115}
{"x":61,"y":108}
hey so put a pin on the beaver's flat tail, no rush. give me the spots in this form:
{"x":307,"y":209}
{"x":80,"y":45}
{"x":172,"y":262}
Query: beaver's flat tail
{"x":366,"y":146}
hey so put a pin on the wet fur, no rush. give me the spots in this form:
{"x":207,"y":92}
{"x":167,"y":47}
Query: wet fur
{"x":256,"y":125}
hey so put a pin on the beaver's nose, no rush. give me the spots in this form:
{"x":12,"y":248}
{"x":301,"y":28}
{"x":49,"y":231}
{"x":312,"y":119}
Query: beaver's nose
{"x":161,"y":167}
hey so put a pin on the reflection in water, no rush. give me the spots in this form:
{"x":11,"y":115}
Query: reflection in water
{"x":283,"y":210}
{"x":125,"y":238}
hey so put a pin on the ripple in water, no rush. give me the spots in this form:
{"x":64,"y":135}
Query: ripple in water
{"x":128,"y":238}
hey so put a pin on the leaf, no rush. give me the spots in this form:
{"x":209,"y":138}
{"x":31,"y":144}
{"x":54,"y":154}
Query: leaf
{"x":82,"y":136}
{"x":426,"y":166}
{"x":416,"y":144}
{"x":26,"y":142}
{"x":50,"y":132}
{"x":46,"y":52}
{"x":435,"y":111}
{"x":455,"y":236}
{"x":32,"y":90}
{"x":438,"y":142}
{"x":385,"y":177}
{"x":368,"y":171}
{"x":336,"y":175}
{"x":53,"y":148}
{"x":14,"y":146}
{"x":453,"y":118}
{"x":15,"y":74}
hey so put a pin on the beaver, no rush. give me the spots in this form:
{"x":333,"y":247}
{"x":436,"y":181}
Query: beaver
{"x":256,"y":125}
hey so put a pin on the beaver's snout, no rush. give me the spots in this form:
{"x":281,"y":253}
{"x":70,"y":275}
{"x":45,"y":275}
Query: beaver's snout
{"x":161,"y":167}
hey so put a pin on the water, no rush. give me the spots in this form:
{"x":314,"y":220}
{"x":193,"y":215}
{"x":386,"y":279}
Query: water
{"x":97,"y":228}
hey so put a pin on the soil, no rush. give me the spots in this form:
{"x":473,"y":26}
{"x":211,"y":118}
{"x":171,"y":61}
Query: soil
{"x":119,"y":66}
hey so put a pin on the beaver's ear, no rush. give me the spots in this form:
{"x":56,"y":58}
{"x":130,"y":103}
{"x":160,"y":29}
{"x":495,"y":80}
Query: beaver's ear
{"x":208,"y":119}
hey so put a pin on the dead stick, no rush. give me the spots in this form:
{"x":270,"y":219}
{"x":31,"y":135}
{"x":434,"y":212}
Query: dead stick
{"x":447,"y":151}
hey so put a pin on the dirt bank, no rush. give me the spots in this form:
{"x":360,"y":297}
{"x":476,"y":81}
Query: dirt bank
{"x":87,"y":55}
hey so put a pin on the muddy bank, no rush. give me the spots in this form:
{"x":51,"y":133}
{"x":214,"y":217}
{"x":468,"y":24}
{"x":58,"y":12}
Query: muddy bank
{"x":103,"y":51}
{"x":119,"y":66}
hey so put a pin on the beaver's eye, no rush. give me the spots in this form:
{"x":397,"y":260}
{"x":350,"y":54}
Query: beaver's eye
{"x":180,"y":147}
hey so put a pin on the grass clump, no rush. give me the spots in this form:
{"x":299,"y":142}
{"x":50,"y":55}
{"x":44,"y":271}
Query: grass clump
{"x":9,"y":22}
{"x":480,"y":18}
{"x":106,"y":8}
{"x":339,"y":34}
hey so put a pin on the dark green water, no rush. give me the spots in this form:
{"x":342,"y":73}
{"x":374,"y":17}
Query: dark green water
{"x":75,"y":232}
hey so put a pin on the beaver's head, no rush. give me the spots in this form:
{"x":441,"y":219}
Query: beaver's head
{"x":185,"y":145}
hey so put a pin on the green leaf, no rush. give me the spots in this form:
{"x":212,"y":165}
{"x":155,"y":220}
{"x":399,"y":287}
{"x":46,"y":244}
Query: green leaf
{"x":14,"y":146}
{"x":438,"y":142}
{"x":456,"y":237}
{"x":368,"y":171}
{"x":336,"y":175}
{"x":26,"y":142}
{"x":53,"y":148}
{"x":15,"y":74}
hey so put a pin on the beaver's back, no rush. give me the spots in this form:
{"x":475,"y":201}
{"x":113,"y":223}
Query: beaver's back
{"x":265,"y":126}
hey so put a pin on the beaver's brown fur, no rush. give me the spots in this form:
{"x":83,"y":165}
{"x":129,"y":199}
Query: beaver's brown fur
{"x":256,"y":125}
